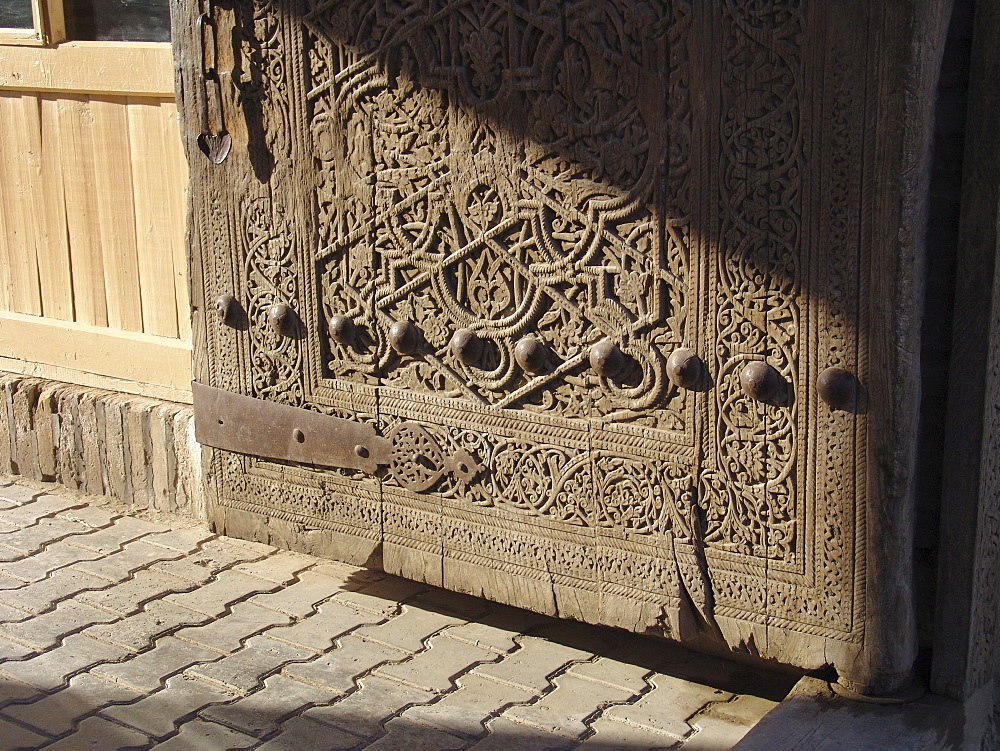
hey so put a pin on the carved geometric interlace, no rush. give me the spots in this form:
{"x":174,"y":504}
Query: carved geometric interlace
{"x":513,"y":169}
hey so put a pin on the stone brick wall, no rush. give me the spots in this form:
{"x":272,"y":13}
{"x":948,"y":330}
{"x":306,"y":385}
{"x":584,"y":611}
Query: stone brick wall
{"x":139,"y":451}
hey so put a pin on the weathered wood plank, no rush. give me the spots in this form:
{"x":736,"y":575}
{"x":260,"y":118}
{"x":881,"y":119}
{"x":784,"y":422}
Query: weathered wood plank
{"x":5,"y":281}
{"x":20,"y":170}
{"x":116,"y":211}
{"x":152,"y":218}
{"x":79,"y":187}
{"x":54,"y":272}
{"x":176,"y":174}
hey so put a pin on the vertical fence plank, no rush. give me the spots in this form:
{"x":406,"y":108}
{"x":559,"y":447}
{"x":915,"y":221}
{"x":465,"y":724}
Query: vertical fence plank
{"x":152,"y":218}
{"x":54,"y":271}
{"x":176,"y":184}
{"x":79,"y":187}
{"x":5,"y":282}
{"x":116,"y":212}
{"x":20,"y":170}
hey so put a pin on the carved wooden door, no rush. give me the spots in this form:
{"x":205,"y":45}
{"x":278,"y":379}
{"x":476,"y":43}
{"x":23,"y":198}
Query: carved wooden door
{"x":565,"y":304}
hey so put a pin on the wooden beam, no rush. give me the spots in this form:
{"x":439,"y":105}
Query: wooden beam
{"x":75,"y":347}
{"x":135,"y":68}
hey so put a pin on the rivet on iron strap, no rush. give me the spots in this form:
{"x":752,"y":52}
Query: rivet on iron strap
{"x":214,"y":142}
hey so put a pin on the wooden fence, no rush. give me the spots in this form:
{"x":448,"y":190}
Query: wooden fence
{"x":93,"y":275}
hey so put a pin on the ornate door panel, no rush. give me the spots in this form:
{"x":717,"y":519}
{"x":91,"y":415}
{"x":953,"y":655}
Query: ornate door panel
{"x":583,"y":287}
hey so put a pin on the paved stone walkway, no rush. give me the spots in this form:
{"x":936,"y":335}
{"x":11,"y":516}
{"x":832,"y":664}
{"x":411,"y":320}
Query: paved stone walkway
{"x":122,"y":632}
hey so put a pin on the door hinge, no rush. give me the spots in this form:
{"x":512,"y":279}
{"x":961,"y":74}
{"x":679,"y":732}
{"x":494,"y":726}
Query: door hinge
{"x":256,"y":427}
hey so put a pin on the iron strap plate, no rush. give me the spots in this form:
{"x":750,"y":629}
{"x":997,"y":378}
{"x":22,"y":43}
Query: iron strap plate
{"x":245,"y":425}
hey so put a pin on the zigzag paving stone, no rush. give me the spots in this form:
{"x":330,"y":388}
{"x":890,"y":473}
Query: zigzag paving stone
{"x":47,"y":630}
{"x":57,"y":713}
{"x":20,"y":494}
{"x":498,"y":629}
{"x":611,"y":735}
{"x":99,"y":733}
{"x":122,"y":564}
{"x":50,"y":670}
{"x":613,"y":673}
{"x":180,"y":638}
{"x":15,"y":691}
{"x":464,"y":711}
{"x":9,"y":615}
{"x":740,"y":710}
{"x":318,"y":631}
{"x":90,"y":516}
{"x":566,"y":709}
{"x":214,"y":598}
{"x":184,"y":540}
{"x":36,"y":567}
{"x":34,"y":509}
{"x":301,"y":598}
{"x":198,"y":735}
{"x":11,"y":650}
{"x":8,"y":583}
{"x":668,"y":705}
{"x":531,"y":665}
{"x":726,"y":722}
{"x":338,"y":669}
{"x":280,"y":568}
{"x":410,"y":629}
{"x":299,"y":734}
{"x":157,"y":714}
{"x":713,"y":733}
{"x":506,"y":735}
{"x":227,"y":633}
{"x":140,"y":630}
{"x":129,"y":596}
{"x":436,"y":668}
{"x":13,"y":736}
{"x":376,"y":701}
{"x":243,"y":671}
{"x":401,"y":733}
{"x":114,"y":538}
{"x":384,"y":597}
{"x":214,"y":556}
{"x":37,"y":597}
{"x":456,"y":603}
{"x":147,"y":671}
{"x":17,"y":544}
{"x":259,"y":713}
{"x":350,"y":578}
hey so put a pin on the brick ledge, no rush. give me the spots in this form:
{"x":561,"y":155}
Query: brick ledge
{"x":136,"y":450}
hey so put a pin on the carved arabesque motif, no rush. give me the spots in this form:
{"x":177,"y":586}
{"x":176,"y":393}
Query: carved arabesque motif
{"x":434,"y":210}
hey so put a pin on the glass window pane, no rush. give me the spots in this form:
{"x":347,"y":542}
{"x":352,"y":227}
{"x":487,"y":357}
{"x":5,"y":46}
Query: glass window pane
{"x":16,"y":14}
{"x":118,"y":20}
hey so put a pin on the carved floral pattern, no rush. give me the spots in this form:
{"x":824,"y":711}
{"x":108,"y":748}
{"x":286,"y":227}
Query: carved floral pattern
{"x":749,"y":496}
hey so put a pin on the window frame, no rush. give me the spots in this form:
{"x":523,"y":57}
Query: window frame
{"x":49,"y":26}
